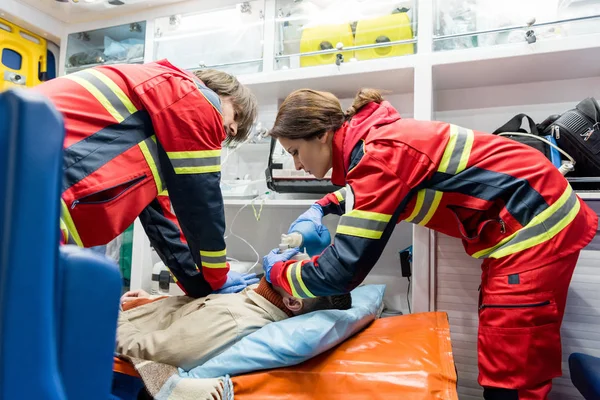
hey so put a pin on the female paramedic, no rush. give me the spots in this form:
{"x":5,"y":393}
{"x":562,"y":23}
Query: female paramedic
{"x":510,"y":206}
{"x":134,"y":131}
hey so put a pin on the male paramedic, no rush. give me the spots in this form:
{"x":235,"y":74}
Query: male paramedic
{"x":510,"y":206}
{"x":140,"y":138}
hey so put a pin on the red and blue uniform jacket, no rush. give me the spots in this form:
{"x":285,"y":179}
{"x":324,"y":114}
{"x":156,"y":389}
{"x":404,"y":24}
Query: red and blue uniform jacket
{"x":505,"y":200}
{"x":145,"y":141}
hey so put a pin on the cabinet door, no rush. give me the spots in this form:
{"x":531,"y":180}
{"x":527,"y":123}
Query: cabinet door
{"x":460,"y":24}
{"x":229,"y":38}
{"x":112,"y":45}
{"x":23,"y":57}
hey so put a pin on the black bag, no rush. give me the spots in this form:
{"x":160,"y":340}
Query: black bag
{"x":577,"y":132}
{"x":514,"y":125}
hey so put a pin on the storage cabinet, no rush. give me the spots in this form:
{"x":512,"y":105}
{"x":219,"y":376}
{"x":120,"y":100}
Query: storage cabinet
{"x":229,"y":38}
{"x":460,"y":24}
{"x":310,"y":33}
{"x":117,"y":44}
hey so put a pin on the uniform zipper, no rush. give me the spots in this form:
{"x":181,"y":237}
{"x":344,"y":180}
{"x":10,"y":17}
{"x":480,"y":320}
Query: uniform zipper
{"x":131,"y":184}
{"x":502,"y":225}
{"x":543,"y":303}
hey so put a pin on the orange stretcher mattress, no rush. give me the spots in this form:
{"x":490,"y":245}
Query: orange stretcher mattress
{"x":407,"y":357}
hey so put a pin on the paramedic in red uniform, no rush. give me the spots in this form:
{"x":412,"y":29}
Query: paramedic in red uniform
{"x":510,"y":206}
{"x":140,"y":137}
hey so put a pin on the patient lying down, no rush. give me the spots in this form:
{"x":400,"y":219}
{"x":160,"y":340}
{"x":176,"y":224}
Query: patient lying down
{"x":186,"y":332}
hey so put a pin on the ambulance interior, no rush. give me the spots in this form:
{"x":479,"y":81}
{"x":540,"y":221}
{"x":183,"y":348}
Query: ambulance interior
{"x":474,"y":63}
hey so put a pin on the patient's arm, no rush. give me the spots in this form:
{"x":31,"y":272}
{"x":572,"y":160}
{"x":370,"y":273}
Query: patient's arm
{"x":187,"y":342}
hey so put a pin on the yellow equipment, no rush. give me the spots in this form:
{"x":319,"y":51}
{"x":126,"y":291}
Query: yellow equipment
{"x":388,"y":28}
{"x":23,"y":56}
{"x":325,"y":37}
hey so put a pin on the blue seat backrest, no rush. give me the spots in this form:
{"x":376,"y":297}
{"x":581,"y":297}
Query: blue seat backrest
{"x":89,"y":306}
{"x":58,"y":310}
{"x":31,"y":137}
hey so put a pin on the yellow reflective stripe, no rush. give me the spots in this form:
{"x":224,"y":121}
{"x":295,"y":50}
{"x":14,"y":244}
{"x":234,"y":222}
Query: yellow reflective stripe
{"x":339,"y":196}
{"x":454,"y":160}
{"x":370,"y":215}
{"x":418,"y":206}
{"x":68,"y":222}
{"x":164,"y":193}
{"x":176,"y":155}
{"x":366,"y":224}
{"x":214,"y":259}
{"x":434,"y":206}
{"x":426,"y":205}
{"x":195,"y":162}
{"x":541,"y":238}
{"x":218,"y":253}
{"x":214,"y":265}
{"x":449,"y":149}
{"x":152,"y":164}
{"x":291,"y":282}
{"x":197,"y":170}
{"x":540,"y":223}
{"x":299,"y":279}
{"x":98,"y":95}
{"x":115,"y":89}
{"x":359,"y":232}
{"x":464,"y":158}
{"x":64,"y":230}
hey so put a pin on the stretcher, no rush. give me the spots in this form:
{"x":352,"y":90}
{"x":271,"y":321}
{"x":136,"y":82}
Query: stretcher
{"x":408,"y":357}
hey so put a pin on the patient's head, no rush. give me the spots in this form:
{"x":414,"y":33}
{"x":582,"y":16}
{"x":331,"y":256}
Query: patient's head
{"x":303,"y":306}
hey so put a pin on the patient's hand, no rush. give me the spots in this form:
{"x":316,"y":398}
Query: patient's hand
{"x":134,"y":294}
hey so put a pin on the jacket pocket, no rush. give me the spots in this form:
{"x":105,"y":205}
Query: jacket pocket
{"x":519,"y":340}
{"x":471,"y":222}
{"x":107,"y":195}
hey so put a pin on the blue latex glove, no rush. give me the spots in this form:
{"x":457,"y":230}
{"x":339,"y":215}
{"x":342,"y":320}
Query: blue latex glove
{"x":274,"y":257}
{"x":236,"y":282}
{"x":314,"y":214}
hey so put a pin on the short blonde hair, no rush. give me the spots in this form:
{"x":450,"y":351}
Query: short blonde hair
{"x":244,"y":102}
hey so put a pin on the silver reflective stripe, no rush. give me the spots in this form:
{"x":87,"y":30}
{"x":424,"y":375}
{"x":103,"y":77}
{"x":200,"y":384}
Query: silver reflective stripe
{"x":195,"y":162}
{"x":106,"y":92}
{"x":153,"y":147}
{"x":541,"y":228}
{"x":214,"y":260}
{"x":363,"y":223}
{"x":425,"y":207}
{"x":461,"y":141}
{"x":295,"y":282}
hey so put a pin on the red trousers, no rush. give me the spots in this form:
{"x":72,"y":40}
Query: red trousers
{"x":520,"y":316}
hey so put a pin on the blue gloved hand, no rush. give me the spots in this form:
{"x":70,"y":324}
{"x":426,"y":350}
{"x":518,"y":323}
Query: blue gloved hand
{"x":314,"y":214}
{"x":274,"y":257}
{"x":236,"y":282}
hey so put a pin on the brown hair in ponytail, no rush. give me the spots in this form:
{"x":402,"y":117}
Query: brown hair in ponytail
{"x":308,"y":114}
{"x":362,"y":98}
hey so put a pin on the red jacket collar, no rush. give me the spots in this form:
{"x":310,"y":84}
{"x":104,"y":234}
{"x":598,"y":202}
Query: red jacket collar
{"x":338,"y":174}
{"x":351,"y":132}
